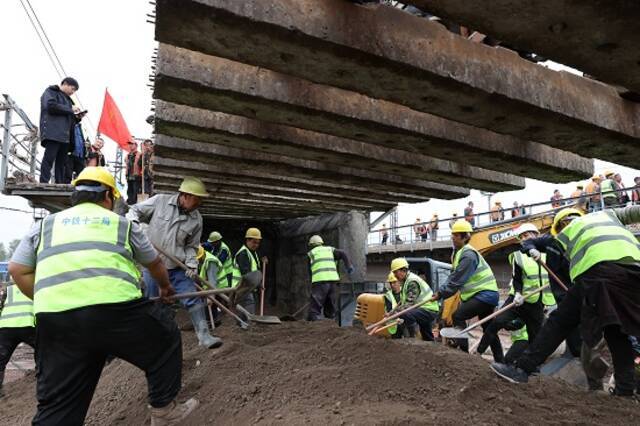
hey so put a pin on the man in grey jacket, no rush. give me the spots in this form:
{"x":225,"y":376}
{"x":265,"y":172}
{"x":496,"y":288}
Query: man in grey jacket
{"x":175,"y":227}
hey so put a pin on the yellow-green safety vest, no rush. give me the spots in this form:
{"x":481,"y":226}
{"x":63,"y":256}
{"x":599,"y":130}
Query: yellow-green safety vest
{"x":84,"y":258}
{"x":425,"y":293}
{"x":533,"y":276}
{"x":18,"y":309}
{"x":607,"y":185}
{"x":389,"y":296}
{"x":255,"y":265}
{"x":323,"y":264}
{"x":221,"y":277}
{"x":482,"y":279}
{"x":594,"y":238}
{"x":227,"y":265}
{"x":520,"y":334}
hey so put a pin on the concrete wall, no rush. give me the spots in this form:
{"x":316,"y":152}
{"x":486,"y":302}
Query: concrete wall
{"x":346,"y":231}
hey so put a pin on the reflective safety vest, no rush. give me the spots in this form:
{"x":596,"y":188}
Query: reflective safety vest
{"x":607,"y":185}
{"x":227,"y":265}
{"x":255,"y":265}
{"x":482,"y":278}
{"x":425,"y":293}
{"x":84,"y":258}
{"x":533,"y":276}
{"x":18,"y":309}
{"x":390,"y":297}
{"x":520,"y":334}
{"x":594,"y":238}
{"x":221,"y":277}
{"x":323,"y":265}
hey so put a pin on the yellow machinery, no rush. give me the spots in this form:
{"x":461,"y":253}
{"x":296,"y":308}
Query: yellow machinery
{"x":370,"y":309}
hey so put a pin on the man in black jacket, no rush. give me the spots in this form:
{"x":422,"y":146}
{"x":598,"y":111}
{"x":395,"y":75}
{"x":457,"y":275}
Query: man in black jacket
{"x":58,"y":115}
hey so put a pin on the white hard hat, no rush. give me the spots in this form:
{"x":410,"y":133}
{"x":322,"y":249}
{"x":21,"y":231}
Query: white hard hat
{"x":526,"y":227}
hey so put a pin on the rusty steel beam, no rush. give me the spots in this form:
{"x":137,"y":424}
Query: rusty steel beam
{"x":386,"y":53}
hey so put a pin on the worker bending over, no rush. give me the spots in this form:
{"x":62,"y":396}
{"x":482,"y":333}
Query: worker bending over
{"x":211,"y":270}
{"x":247,"y":260}
{"x":473,"y":278}
{"x":221,"y":250}
{"x":323,"y":267}
{"x":519,"y":341}
{"x":392,"y":298}
{"x":527,"y":276}
{"x":16,"y":326}
{"x":605,"y":300}
{"x":79,"y":267}
{"x":415,"y":290}
{"x":175,"y":226}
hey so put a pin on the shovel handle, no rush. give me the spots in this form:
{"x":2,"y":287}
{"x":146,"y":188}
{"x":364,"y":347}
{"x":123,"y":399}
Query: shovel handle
{"x":552,"y":274}
{"x":205,"y":293}
{"x":379,"y":329}
{"x":221,"y":306}
{"x":264,"y":275}
{"x":396,"y":315}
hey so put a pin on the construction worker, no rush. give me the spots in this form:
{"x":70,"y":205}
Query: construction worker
{"x":526,"y":276}
{"x":473,"y":278}
{"x":323,"y":268}
{"x":605,"y":299}
{"x":221,"y":250}
{"x":392,"y":297}
{"x":607,"y":189}
{"x":592,"y":190}
{"x":415,"y":290}
{"x":16,"y":326}
{"x":246,"y":260}
{"x":519,"y":341}
{"x":175,"y":226}
{"x":79,"y":268}
{"x":211,"y":270}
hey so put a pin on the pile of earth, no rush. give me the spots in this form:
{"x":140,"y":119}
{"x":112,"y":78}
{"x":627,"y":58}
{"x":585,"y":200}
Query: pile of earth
{"x":317,"y":373}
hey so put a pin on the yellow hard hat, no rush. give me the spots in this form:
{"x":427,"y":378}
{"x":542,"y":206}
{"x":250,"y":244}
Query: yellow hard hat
{"x":215,"y":236}
{"x":460,"y":226}
{"x":100,"y":175}
{"x":315,"y":240}
{"x":562,"y":214}
{"x":193,"y":186}
{"x":391,"y":278}
{"x":399,"y":263}
{"x":253,"y":233}
{"x":200,"y":254}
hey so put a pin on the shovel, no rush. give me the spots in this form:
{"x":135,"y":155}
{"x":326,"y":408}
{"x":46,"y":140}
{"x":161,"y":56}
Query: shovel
{"x":293,"y":316}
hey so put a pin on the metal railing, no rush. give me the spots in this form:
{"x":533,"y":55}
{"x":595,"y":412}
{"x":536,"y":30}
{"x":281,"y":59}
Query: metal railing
{"x":18,"y":153}
{"x":406,"y":237}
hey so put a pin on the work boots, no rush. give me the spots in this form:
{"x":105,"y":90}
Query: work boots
{"x":173,"y":413}
{"x":199,"y":321}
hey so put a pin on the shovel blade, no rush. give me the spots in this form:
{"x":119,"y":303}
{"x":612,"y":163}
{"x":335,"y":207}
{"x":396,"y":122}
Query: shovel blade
{"x":454,"y":333}
{"x":265,"y":319}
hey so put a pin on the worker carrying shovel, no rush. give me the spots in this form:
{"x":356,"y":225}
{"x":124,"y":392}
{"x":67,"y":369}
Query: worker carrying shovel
{"x":323,"y":267}
{"x":605,"y":299}
{"x":175,"y":227}
{"x":79,"y":268}
{"x":414,"y":290}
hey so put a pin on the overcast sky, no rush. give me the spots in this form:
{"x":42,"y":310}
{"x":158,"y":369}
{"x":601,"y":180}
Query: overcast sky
{"x":109,"y":44}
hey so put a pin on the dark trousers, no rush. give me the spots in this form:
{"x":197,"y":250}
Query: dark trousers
{"x":54,"y":152}
{"x":72,"y":347}
{"x":75,"y":165}
{"x":561,"y":324}
{"x":132,"y":190}
{"x":322,"y":300}
{"x":532,"y":314}
{"x":424,"y":319}
{"x":514,"y":352}
{"x":472,"y":308}
{"x":10,"y":338}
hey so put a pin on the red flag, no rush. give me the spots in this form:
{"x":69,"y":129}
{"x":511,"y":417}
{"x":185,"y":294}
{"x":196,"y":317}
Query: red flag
{"x":112,"y":124}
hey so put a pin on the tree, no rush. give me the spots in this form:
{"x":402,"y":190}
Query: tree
{"x":13,"y":245}
{"x":3,"y":253}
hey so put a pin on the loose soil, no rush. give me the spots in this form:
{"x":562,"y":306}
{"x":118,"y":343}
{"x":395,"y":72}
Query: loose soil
{"x":319,"y":374}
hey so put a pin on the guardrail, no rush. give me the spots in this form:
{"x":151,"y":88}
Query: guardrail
{"x":407,"y":237}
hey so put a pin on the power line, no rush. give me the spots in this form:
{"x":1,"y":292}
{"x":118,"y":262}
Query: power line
{"x":35,"y":15}
{"x":33,"y":24}
{"x":11,"y":209}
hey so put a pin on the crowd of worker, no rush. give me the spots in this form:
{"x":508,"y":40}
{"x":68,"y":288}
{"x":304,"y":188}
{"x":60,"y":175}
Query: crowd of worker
{"x":579,"y":284}
{"x":602,"y":191}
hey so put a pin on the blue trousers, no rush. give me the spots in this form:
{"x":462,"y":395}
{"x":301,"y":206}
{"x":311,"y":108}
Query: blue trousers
{"x":179,"y":281}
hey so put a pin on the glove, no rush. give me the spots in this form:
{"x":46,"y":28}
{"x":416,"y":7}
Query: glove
{"x":518,"y":299}
{"x":191,"y":274}
{"x":534,"y":254}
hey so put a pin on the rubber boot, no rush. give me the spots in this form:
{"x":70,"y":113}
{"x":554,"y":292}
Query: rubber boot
{"x":1,"y":380}
{"x":199,"y":320}
{"x":173,"y":413}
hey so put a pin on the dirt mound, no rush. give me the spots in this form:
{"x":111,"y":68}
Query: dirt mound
{"x":320,"y":374}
